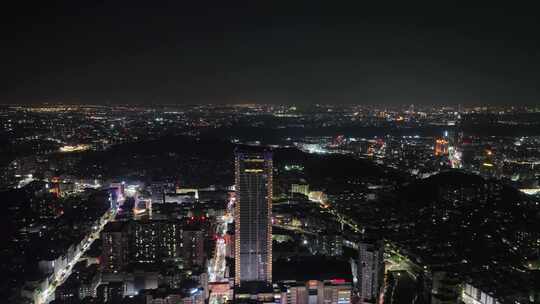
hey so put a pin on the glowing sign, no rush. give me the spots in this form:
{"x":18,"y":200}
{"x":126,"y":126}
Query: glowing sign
{"x":77,"y":148}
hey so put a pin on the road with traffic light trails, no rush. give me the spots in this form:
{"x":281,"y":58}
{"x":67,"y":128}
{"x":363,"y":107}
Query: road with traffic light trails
{"x":218,"y":265}
{"x":216,"y":269}
{"x":47,"y":295}
{"x":344,"y":220}
{"x":402,"y":290}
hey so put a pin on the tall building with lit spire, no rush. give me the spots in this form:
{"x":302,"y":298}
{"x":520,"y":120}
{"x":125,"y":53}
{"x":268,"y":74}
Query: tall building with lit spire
{"x":253,"y":213}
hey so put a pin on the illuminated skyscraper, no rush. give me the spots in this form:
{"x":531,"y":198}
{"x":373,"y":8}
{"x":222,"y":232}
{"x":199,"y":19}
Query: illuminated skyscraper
{"x":253,"y":211}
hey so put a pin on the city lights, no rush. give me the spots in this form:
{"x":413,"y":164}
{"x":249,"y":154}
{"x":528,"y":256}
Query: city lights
{"x":297,"y":152}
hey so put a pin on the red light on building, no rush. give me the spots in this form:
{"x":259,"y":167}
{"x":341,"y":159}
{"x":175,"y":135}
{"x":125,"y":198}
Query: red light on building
{"x":338,"y":140}
{"x":338,"y":281}
{"x":227,"y":238}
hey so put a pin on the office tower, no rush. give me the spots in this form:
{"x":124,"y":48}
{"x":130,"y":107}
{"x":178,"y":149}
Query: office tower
{"x":370,"y":270}
{"x":115,"y":251}
{"x":253,"y":211}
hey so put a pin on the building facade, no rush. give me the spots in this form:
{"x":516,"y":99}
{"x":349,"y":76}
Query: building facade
{"x":316,"y":292}
{"x":370,"y":271}
{"x":115,"y":248}
{"x":253,"y":211}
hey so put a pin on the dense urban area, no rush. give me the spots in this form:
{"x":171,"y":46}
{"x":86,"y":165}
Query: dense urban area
{"x":270,"y":204}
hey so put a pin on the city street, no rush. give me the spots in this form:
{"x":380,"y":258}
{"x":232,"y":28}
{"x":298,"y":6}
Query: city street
{"x":47,"y":295}
{"x":218,"y":265}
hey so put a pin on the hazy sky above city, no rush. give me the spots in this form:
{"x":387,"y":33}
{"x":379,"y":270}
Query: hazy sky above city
{"x":268,"y":52}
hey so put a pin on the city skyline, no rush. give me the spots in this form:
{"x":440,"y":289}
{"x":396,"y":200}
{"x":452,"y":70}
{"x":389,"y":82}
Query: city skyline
{"x":331,"y":203}
{"x":257,"y":152}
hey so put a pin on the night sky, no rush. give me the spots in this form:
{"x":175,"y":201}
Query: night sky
{"x":268,"y":52}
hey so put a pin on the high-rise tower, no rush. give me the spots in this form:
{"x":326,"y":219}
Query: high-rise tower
{"x":370,"y":271}
{"x":253,"y":212}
